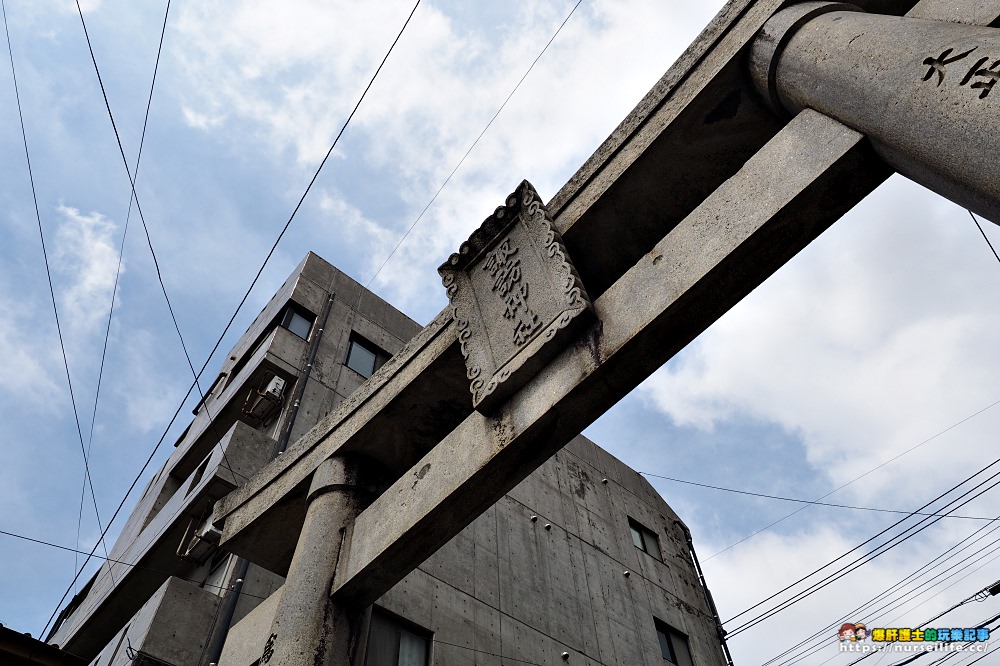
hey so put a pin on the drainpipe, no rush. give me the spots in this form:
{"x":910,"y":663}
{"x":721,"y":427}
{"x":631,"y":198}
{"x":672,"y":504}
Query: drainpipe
{"x":219,"y":637}
{"x":242,"y":564}
{"x":708,"y":594}
{"x":300,"y":384}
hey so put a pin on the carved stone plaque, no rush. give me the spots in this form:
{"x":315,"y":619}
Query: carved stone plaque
{"x":517,"y":299}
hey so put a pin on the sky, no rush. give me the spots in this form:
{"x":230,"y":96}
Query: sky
{"x":865,"y":366}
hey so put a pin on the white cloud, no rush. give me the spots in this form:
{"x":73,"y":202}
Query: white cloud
{"x":288,"y":80}
{"x":867,"y":344}
{"x":86,"y":260}
{"x":26,"y":373}
{"x":770,"y":562}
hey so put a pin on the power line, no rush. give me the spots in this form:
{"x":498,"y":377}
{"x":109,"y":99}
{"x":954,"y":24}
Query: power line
{"x":865,"y":608}
{"x":979,"y":226}
{"x":121,"y":255}
{"x":826,"y":632}
{"x":489,"y":654}
{"x":108,"y":559}
{"x":298,"y":205}
{"x":149,"y":240}
{"x":917,"y":656}
{"x":860,"y":561}
{"x":885,"y":547}
{"x":273,"y":248}
{"x":241,"y":303}
{"x":858,"y":478}
{"x":786,"y":652}
{"x":121,"y":504}
{"x":48,"y":273}
{"x":474,"y":143}
{"x":864,"y":559}
{"x":812,"y":502}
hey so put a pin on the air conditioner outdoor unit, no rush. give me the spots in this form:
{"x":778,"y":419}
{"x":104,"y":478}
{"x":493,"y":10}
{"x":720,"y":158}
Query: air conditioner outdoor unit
{"x":262,"y":404}
{"x":275,"y":388}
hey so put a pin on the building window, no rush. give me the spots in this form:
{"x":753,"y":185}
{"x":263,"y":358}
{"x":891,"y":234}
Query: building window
{"x":215,"y":581}
{"x":298,"y":322}
{"x":673,"y":645}
{"x":392,"y":642}
{"x":645,"y":539}
{"x":363,"y":357}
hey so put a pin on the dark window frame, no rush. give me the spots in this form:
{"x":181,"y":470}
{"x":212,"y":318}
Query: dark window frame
{"x":278,"y":321}
{"x":289,"y":323}
{"x":400,"y":626}
{"x":379,"y":356}
{"x":675,"y":648}
{"x":645,"y":539}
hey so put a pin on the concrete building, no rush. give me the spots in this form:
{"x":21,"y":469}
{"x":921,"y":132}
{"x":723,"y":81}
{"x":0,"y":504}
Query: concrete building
{"x":581,"y":562}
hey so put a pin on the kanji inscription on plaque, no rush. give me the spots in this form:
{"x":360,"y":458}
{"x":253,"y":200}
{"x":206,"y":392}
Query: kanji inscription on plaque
{"x":517,"y":299}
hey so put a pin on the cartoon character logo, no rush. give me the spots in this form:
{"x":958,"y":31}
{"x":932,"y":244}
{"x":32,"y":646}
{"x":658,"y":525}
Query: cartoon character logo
{"x":860,"y":632}
{"x":846,"y":633}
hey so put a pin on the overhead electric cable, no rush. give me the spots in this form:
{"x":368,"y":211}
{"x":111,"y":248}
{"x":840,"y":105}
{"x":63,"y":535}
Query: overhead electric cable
{"x":818,"y":639}
{"x":239,"y":306}
{"x":149,"y":240}
{"x":121,"y":255}
{"x":484,"y":652}
{"x":860,"y":561}
{"x":298,"y":205}
{"x":474,"y":143}
{"x":913,"y":658}
{"x":857,"y":478}
{"x":121,"y":504}
{"x":828,"y":632}
{"x":108,"y":559}
{"x":867,"y":557}
{"x":979,"y":226}
{"x":48,"y":274}
{"x":812,"y":502}
{"x":264,"y":264}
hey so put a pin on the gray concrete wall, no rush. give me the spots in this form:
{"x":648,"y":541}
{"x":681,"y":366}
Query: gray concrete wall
{"x":153,"y":531}
{"x":355,"y":311}
{"x":247,"y":638}
{"x":146,"y":556}
{"x":506,"y":584}
{"x":177,"y":609}
{"x":510,"y":585}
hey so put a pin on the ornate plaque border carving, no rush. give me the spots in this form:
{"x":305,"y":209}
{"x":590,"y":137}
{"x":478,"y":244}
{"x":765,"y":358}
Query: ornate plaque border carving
{"x":554,"y":281}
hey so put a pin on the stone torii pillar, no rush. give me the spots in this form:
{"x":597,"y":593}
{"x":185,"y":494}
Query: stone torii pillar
{"x":922,"y":91}
{"x":313,"y":628}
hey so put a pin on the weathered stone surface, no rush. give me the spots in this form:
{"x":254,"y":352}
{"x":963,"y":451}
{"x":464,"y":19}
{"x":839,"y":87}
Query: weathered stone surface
{"x":394,"y":418}
{"x":694,"y":130}
{"x":922,"y":91}
{"x":742,"y":233}
{"x":306,"y":626}
{"x":515,"y":296}
{"x":973,"y":12}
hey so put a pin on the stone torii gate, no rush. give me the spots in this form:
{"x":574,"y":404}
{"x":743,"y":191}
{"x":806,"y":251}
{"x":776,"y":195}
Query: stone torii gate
{"x":778,"y":119}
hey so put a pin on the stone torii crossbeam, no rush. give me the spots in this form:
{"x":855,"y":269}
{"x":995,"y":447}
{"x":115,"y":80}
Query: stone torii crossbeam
{"x":777,"y":120}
